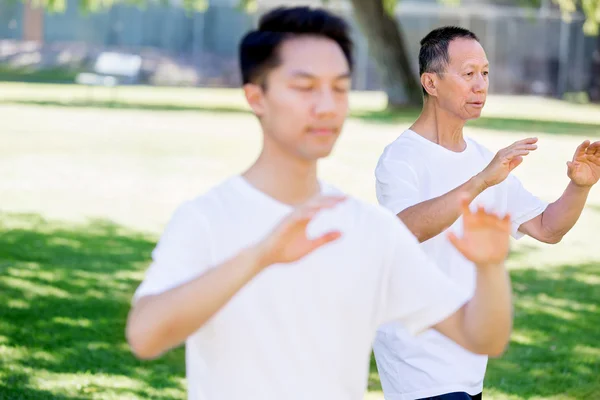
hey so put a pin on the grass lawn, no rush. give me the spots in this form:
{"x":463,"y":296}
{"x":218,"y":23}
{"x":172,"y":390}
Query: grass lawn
{"x":85,"y":191}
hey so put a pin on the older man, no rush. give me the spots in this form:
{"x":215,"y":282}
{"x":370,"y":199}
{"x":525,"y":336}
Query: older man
{"x":422,"y":176}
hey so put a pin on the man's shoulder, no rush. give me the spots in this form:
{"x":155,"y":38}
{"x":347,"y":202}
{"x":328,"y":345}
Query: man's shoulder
{"x":216,"y":196}
{"x":406,"y":149}
{"x":376,"y":218}
{"x":405,"y":144}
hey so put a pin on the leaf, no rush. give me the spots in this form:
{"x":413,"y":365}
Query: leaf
{"x":248,"y":5}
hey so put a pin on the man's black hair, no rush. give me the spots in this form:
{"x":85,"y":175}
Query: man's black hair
{"x":259,"y":49}
{"x":433,"y":55}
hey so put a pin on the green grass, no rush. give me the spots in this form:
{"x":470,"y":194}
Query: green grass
{"x":86,"y":190}
{"x":383,"y":117}
{"x":501,"y":113}
{"x":47,"y":75}
{"x":65,"y":291}
{"x":493,"y":123}
{"x":64,"y":297}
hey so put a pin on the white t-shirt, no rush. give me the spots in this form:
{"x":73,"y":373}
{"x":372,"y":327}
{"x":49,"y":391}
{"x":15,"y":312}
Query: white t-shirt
{"x":301,"y":330}
{"x":411,"y":170}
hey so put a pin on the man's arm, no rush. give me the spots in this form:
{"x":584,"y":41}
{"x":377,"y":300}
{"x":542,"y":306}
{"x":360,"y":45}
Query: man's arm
{"x":430,"y":218}
{"x":483,"y":325}
{"x":418,"y":294}
{"x":560,"y":216}
{"x":160,"y":322}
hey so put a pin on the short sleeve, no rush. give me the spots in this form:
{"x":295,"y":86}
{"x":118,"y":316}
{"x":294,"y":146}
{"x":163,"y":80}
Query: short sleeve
{"x":182,"y":253}
{"x":416,"y":293}
{"x":397,"y":184}
{"x":521,"y":205}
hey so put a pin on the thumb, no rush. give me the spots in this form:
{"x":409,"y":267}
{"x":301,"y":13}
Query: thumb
{"x":515,"y":162}
{"x":324,"y":239}
{"x":457,"y":243}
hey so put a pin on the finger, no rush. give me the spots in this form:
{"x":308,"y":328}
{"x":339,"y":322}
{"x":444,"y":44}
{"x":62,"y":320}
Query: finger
{"x":464,"y":204}
{"x":301,"y":217}
{"x":457,"y":243}
{"x":528,"y":146}
{"x":593,"y":148}
{"x":504,"y":224}
{"x":526,"y":141}
{"x":481,"y":211}
{"x":572,"y":165}
{"x":516,"y":153}
{"x":324,"y":239}
{"x":595,"y":159}
{"x":581,"y":148}
{"x":515,"y":162}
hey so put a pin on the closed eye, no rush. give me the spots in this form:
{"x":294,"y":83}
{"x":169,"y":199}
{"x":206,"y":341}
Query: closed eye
{"x":303,"y":88}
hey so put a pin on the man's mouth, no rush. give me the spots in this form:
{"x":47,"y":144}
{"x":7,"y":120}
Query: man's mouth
{"x":322,"y":131}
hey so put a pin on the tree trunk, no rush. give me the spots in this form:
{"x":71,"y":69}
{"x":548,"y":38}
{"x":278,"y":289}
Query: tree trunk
{"x":33,"y":22}
{"x":594,"y":88}
{"x":387,"y":46}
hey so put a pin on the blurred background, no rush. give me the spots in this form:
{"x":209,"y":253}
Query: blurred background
{"x":533,"y":49}
{"x":112,"y":113}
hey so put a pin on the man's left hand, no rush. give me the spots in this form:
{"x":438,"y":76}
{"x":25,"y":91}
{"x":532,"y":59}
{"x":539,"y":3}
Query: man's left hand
{"x":584,"y":170}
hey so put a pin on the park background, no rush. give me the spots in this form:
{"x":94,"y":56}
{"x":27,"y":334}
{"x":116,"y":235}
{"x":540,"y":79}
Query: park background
{"x":91,"y":171}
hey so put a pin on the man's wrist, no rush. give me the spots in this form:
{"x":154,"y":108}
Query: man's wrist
{"x":580,"y":187}
{"x":478,"y":184}
{"x":491,"y":266}
{"x":255,"y":258}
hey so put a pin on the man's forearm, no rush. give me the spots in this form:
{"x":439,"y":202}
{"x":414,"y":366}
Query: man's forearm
{"x":488,"y":316}
{"x":560,"y":216}
{"x":158,"y":323}
{"x":483,"y":325}
{"x":430,"y":218}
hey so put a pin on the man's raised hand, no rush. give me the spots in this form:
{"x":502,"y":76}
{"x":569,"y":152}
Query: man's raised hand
{"x":288,"y":242}
{"x":485,"y":238}
{"x":507,"y":160}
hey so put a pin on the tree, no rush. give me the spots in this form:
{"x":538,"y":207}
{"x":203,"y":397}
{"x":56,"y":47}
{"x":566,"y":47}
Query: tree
{"x":377,"y":21}
{"x":594,"y":87}
{"x":591,"y":10}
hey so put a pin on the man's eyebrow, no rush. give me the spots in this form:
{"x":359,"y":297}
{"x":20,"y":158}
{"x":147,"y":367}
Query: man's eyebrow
{"x":470,"y":64}
{"x":304,"y":74}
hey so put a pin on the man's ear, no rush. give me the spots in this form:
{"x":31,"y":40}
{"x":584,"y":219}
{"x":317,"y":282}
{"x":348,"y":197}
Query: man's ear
{"x":429,"y":82}
{"x":255,"y":96}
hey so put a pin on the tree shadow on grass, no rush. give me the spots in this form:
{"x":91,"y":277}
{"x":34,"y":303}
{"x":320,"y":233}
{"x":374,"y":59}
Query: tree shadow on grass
{"x":555,"y":346}
{"x":65,"y":292}
{"x":121,"y":105}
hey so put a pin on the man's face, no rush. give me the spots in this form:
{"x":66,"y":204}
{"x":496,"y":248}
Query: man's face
{"x":305,"y":101}
{"x":462,"y":88}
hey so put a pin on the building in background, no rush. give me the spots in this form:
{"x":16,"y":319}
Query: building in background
{"x":531,"y":50}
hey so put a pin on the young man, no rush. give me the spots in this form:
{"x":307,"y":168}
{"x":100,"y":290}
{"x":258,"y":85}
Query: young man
{"x":421,"y":177}
{"x":273,"y":279}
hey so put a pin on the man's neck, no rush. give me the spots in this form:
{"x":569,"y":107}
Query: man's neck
{"x":287,"y":179}
{"x":441,"y":127}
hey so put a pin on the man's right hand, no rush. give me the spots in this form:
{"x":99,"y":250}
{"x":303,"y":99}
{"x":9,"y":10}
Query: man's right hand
{"x":486,"y":237}
{"x":288,"y":242}
{"x":506,"y":160}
